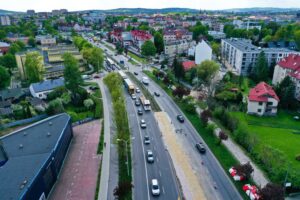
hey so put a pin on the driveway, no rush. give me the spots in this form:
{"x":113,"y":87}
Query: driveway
{"x":78,"y":177}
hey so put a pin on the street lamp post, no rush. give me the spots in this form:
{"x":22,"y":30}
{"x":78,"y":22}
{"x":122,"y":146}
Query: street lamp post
{"x":126,"y":141}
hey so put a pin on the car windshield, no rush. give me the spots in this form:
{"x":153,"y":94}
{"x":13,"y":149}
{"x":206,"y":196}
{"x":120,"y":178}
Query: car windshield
{"x":155,"y":187}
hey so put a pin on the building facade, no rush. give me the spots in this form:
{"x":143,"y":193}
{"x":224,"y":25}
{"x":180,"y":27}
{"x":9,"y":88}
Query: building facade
{"x":203,"y":52}
{"x":32,"y":157}
{"x":240,"y":55}
{"x":289,"y":66}
{"x":262,"y":100}
{"x":42,"y":89}
{"x":5,"y":20}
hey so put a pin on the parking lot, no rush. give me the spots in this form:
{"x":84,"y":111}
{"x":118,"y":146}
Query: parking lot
{"x":78,"y":177}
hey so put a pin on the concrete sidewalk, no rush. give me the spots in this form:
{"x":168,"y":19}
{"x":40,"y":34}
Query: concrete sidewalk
{"x":258,"y":176}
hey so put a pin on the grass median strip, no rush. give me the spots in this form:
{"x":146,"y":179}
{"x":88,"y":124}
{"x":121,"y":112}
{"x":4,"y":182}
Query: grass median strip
{"x":155,"y":107}
{"x":114,"y":84}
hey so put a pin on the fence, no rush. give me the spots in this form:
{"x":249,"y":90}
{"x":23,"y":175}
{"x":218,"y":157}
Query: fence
{"x":24,"y":121}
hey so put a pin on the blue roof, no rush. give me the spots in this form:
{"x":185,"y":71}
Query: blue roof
{"x":24,"y":163}
{"x":47,"y":85}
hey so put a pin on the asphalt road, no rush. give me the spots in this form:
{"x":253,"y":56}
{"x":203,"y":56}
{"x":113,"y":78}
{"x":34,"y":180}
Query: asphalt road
{"x":216,"y":176}
{"x":215,"y":182}
{"x":144,"y":172}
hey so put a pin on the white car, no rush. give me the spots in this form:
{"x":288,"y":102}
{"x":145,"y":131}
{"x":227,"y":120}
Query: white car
{"x":137,"y":90}
{"x":150,"y":156}
{"x":133,"y":96}
{"x":143,"y":123}
{"x":155,"y":187}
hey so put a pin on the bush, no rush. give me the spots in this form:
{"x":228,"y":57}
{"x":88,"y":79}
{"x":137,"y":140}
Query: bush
{"x":298,"y":157}
{"x":74,"y":116}
{"x":205,"y":115}
{"x":211,"y":128}
{"x":55,"y":107}
{"x":57,"y":92}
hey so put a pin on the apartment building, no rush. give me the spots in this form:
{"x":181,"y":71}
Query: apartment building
{"x":177,"y":34}
{"x":5,"y":20}
{"x":240,"y":55}
{"x":45,"y":40}
{"x":289,"y":66}
{"x":249,"y":24}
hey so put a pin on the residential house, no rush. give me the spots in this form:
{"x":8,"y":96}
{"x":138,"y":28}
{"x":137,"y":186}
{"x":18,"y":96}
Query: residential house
{"x":262,"y":100}
{"x":217,"y":35}
{"x":11,"y":95}
{"x":45,"y":40}
{"x":4,"y":47}
{"x":289,"y":66}
{"x":203,"y":52}
{"x":42,"y":89}
{"x":5,"y":20}
{"x":240,"y":55}
{"x":249,"y":24}
{"x":187,"y":65}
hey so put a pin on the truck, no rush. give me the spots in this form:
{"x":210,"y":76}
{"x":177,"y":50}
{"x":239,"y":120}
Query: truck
{"x":145,"y":102}
{"x":145,"y":80}
{"x":129,"y":86}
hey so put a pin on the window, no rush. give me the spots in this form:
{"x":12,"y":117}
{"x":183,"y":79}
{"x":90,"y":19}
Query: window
{"x":260,"y":103}
{"x":259,"y":110}
{"x":270,"y":103}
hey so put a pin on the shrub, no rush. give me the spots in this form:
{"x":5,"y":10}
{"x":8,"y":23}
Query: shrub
{"x":219,"y":112}
{"x":211,"y":128}
{"x":205,"y":115}
{"x":55,"y":107}
{"x":298,"y":157}
{"x":74,"y":116}
{"x":57,"y":92}
{"x":223,"y":135}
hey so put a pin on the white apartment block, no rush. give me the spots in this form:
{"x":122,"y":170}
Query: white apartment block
{"x":5,"y":20}
{"x":240,"y":55}
{"x":203,"y":52}
{"x":289,"y":66}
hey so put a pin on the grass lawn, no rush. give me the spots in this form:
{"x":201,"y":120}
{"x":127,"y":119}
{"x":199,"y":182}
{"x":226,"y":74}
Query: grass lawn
{"x":142,"y":60}
{"x":277,"y":132}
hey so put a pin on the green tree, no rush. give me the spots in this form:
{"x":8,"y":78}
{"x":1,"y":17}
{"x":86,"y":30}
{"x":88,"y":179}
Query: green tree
{"x":206,"y":71}
{"x":87,"y":54}
{"x":199,"y":30}
{"x":4,"y":78}
{"x":2,"y":34}
{"x":97,"y":58}
{"x":31,"y":42}
{"x":55,"y":107}
{"x":148,"y":48}
{"x":34,"y":67}
{"x":8,"y":61}
{"x":286,"y":91}
{"x":159,"y":42}
{"x":14,"y":48}
{"x":261,"y":69}
{"x":216,"y":48}
{"x":178,"y":69}
{"x":297,"y":38}
{"x":88,"y":103}
{"x":71,"y":73}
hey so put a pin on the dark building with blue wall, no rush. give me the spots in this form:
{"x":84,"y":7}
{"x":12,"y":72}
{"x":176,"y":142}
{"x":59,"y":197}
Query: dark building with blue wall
{"x":31,"y":158}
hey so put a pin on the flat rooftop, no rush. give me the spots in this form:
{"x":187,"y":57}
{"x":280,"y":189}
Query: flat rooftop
{"x":27,"y":151}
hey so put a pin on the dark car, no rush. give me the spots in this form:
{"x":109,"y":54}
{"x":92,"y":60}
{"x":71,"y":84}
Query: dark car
{"x":140,"y":111}
{"x":93,"y":87}
{"x":96,"y":76}
{"x":201,"y":148}
{"x":180,"y":118}
{"x":135,"y":73}
{"x":156,"y":94}
{"x":146,"y":139}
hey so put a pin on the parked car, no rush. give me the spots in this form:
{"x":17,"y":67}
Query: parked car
{"x":135,"y":73}
{"x":137,"y":102}
{"x":137,"y":90}
{"x":180,"y":118}
{"x":133,"y":96}
{"x":155,"y":187}
{"x":156,"y":94}
{"x":93,"y":87}
{"x":96,"y":76}
{"x":140,"y":111}
{"x":143,"y":123}
{"x":150,"y":157}
{"x":201,"y":148}
{"x":146,"y":139}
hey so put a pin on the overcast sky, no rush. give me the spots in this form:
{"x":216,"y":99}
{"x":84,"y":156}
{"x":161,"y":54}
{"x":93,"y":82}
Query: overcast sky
{"x":73,"y":5}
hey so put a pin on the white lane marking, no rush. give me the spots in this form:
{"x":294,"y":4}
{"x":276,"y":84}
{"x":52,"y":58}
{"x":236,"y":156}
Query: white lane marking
{"x":134,"y":108}
{"x":157,"y":159}
{"x":159,"y":173}
{"x":163,"y":189}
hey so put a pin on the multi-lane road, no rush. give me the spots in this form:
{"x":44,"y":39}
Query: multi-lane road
{"x":213,"y":178}
{"x":143,"y":172}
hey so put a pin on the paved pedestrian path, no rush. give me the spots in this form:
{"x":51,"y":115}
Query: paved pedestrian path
{"x":258,"y":176}
{"x":191,"y":188}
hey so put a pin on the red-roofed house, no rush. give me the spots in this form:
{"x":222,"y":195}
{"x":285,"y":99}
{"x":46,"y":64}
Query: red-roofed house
{"x":289,"y":66}
{"x":187,"y":65}
{"x":262,"y":100}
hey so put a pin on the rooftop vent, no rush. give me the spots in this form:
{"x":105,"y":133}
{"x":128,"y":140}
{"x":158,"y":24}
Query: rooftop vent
{"x":50,"y":123}
{"x":48,"y":134}
{"x":23,"y":183}
{"x":24,"y":133}
{"x":21,"y":146}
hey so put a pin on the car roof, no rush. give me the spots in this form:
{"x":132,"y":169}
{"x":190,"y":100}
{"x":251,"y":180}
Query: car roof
{"x":154,"y":182}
